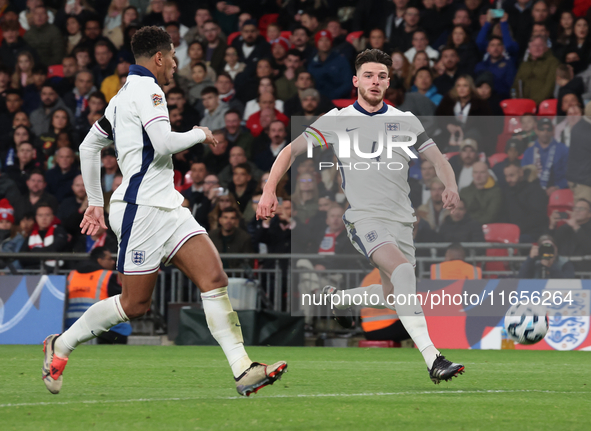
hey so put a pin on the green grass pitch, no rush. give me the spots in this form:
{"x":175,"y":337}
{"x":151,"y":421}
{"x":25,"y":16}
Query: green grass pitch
{"x":191,"y":388}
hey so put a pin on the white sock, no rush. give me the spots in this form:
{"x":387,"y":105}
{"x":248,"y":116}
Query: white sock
{"x":96,"y":320}
{"x":225,"y":327}
{"x":411,"y":314}
{"x":370,"y":296}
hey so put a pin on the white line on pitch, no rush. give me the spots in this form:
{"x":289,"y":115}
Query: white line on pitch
{"x":373,"y":394}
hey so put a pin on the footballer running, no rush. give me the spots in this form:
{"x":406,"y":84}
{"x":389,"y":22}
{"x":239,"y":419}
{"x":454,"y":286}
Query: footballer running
{"x":147,"y":217}
{"x":380,"y":217}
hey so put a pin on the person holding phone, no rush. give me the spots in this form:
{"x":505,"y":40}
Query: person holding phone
{"x":544,"y":262}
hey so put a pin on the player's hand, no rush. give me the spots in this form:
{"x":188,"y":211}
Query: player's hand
{"x":209,"y":139}
{"x":94,"y":218}
{"x":451,"y":199}
{"x":267,"y":206}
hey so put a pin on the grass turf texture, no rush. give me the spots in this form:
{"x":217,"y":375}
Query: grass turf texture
{"x":184,"y":388}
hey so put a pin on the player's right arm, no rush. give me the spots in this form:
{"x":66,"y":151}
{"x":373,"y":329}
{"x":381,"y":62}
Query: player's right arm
{"x":268,"y":202}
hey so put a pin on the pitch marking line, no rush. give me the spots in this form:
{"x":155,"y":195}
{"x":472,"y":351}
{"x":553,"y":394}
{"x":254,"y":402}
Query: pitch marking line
{"x":376,"y":394}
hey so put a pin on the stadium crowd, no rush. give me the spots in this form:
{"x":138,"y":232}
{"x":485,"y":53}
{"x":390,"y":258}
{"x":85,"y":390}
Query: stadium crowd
{"x":246,"y":67}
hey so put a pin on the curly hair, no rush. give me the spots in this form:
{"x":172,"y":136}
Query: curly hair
{"x":373,"y":56}
{"x":147,"y":41}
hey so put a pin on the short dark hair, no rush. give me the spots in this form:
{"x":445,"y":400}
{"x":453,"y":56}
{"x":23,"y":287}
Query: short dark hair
{"x":49,"y":84}
{"x":98,"y":253}
{"x":244,"y":166}
{"x":174,"y":24}
{"x":39,"y":70}
{"x":176,"y":90}
{"x":149,"y":40}
{"x":225,"y":75}
{"x":14,"y":91}
{"x":230,"y":210}
{"x":233,"y":111}
{"x":201,"y":65}
{"x":373,"y":56}
{"x":35,"y":172}
{"x":44,"y":204}
{"x":99,"y":95}
{"x":516,"y":163}
{"x":500,"y":39}
{"x":295,"y":52}
{"x":457,"y":247}
{"x":449,"y":48}
{"x":210,"y":90}
{"x":300,"y":27}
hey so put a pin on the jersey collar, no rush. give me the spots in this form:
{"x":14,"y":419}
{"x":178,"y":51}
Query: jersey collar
{"x":136,"y":69}
{"x":357,"y":106}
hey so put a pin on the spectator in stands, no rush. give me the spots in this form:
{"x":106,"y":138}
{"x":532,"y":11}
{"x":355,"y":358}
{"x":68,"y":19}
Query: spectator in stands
{"x":286,"y":83}
{"x":563,"y":130}
{"x":214,"y":109}
{"x":236,"y":135}
{"x":422,"y":191}
{"x":60,"y":178}
{"x":199,"y":82}
{"x":460,"y":109}
{"x":176,"y":96}
{"x":171,"y":14}
{"x":238,"y":157}
{"x":14,"y":104}
{"x":202,"y":14}
{"x":279,"y":48}
{"x":512,"y":150}
{"x":567,"y":83}
{"x":525,"y":203}
{"x":401,"y":67}
{"x":527,"y":134}
{"x":420,"y":42}
{"x":466,"y":48}
{"x":74,"y":206}
{"x":24,"y":164}
{"x":579,"y":158}
{"x":242,"y":185}
{"x":232,"y":66}
{"x":15,"y":235}
{"x":112,"y":84}
{"x":501,"y":29}
{"x":107,"y":195}
{"x":450,"y":60}
{"x":50,"y":140}
{"x":70,"y":69}
{"x":255,"y":122}
{"x":180,"y":44}
{"x":21,"y":133}
{"x":266,"y":85}
{"x":229,"y":238}
{"x":574,"y":237}
{"x":544,"y":262}
{"x":455,"y":267}
{"x":536,"y":76}
{"x":36,"y":194}
{"x":117,"y":34}
{"x":548,"y":157}
{"x":278,"y":140}
{"x":330,"y":70}
{"x":251,"y":46}
{"x":96,"y":108}
{"x":276,"y":233}
{"x":50,"y":101}
{"x":502,"y":68}
{"x":12,"y":45}
{"x":217,"y":158}
{"x":105,"y":64}
{"x":422,"y":233}
{"x":77,"y":99}
{"x":460,"y":227}
{"x":304,"y":81}
{"x":196,"y":55}
{"x":403,"y":35}
{"x":416,"y":103}
{"x":305,"y":197}
{"x":45,"y":38}
{"x":196,"y":198}
{"x":73,"y":33}
{"x":47,"y":236}
{"x":432,"y":211}
{"x":483,"y":198}
{"x":299,"y":39}
{"x":109,"y":168}
{"x":484,"y":88}
{"x":23,"y":70}
{"x":225,"y":86}
{"x":423,"y":83}
{"x":223,"y":199}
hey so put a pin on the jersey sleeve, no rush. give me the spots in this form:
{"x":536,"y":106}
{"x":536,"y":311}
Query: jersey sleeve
{"x":322,"y":132}
{"x":151,"y":106}
{"x":423,"y":140}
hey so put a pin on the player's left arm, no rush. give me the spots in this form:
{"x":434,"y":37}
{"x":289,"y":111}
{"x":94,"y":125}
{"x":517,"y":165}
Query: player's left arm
{"x":99,"y":136}
{"x":445,"y":173}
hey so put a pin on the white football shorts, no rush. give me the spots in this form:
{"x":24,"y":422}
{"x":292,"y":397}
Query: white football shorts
{"x":149,"y":235}
{"x":368,"y":235}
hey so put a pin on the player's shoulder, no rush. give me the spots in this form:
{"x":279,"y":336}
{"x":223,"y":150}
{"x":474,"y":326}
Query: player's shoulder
{"x":395,"y":111}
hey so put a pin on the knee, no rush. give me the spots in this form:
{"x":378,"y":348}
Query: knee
{"x":215,"y":281}
{"x":135,"y":309}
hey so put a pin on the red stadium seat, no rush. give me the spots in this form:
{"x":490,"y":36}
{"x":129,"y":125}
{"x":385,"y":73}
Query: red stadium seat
{"x":450,"y":155}
{"x":343,"y":103}
{"x":286,"y":35}
{"x":354,"y":35}
{"x":55,"y":70}
{"x":561,"y":200}
{"x":265,"y":21}
{"x":232,"y":36}
{"x":378,"y":343}
{"x":499,"y":232}
{"x":496,"y":158}
{"x":548,"y":108}
{"x":518,"y":107}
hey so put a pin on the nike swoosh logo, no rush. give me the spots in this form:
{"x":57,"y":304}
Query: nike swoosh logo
{"x":420,"y":312}
{"x":350,"y":130}
{"x":238,"y":325}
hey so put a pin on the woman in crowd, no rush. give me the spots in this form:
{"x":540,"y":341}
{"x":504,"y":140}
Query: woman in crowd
{"x":23,"y":71}
{"x":266,"y":85}
{"x":116,"y":34}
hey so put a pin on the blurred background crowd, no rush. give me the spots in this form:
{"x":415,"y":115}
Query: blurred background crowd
{"x":502,"y":88}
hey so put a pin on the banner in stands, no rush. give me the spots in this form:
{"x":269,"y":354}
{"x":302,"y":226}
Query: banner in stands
{"x":479,"y":326}
{"x":31,"y":307}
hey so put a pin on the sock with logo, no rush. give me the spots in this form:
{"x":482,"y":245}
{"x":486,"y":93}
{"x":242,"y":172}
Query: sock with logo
{"x":96,"y":320}
{"x":224,"y":325}
{"x":411,"y":312}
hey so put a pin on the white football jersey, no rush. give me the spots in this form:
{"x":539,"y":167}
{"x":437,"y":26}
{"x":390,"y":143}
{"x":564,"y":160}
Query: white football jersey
{"x":375,"y":187}
{"x":148,"y":177}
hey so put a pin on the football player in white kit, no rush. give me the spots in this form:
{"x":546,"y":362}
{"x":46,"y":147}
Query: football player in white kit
{"x":380,"y":218}
{"x":147,"y":216}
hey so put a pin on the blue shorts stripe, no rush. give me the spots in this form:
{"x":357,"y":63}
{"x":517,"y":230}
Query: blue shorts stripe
{"x":126,"y":225}
{"x":354,"y":236}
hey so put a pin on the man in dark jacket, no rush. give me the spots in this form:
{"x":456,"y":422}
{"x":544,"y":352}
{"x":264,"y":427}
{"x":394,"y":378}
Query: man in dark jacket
{"x":460,"y":227}
{"x":13,"y":45}
{"x":544,"y":262}
{"x":45,"y":38}
{"x":525,"y":203}
{"x":574,"y":237}
{"x":251,"y":46}
{"x":229,"y":238}
{"x":195,"y":198}
{"x":578,"y":167}
{"x":330,"y":70}
{"x":60,"y":178}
